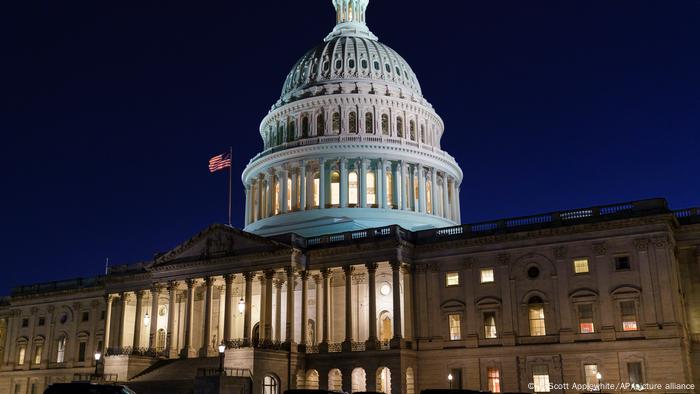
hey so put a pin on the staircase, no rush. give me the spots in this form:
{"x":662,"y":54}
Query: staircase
{"x":171,"y":376}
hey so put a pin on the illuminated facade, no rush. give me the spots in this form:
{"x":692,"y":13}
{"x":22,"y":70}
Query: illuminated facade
{"x":354,"y":274}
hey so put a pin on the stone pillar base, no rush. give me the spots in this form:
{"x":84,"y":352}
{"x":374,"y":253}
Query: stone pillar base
{"x":188,"y":353}
{"x":346,"y":346}
{"x":323,"y":347}
{"x":371,"y":344}
{"x":397,"y":343}
{"x":172,"y":353}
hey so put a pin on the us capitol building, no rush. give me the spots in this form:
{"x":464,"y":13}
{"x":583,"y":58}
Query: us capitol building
{"x":354,"y":271}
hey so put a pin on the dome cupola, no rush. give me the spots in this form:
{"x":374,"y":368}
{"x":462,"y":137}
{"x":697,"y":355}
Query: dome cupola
{"x":351,"y":143}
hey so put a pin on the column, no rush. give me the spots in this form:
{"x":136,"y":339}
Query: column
{"x":404,"y":196}
{"x":289,"y":332}
{"x":459,"y":210}
{"x":122,"y":320}
{"x":263,"y":304}
{"x":304,"y":278}
{"x":343,"y":182}
{"x":108,"y":323}
{"x":278,"y":309}
{"x":155,"y":295}
{"x":408,"y":302}
{"x":421,"y":189}
{"x":319,"y":309}
{"x":396,"y":286}
{"x":207,"y":348}
{"x":372,"y":318}
{"x":453,"y":206}
{"x":309,"y":188}
{"x":172,"y":305}
{"x":188,"y":351}
{"x":363,"y":183}
{"x":295,"y":189}
{"x":228,"y":294}
{"x":270,"y":191}
{"x":433,"y":191}
{"x":284,"y":177}
{"x":138,"y":319}
{"x":302,"y":185}
{"x":268,"y":305}
{"x":347,"y":344}
{"x":322,"y":183}
{"x":326,"y":273}
{"x":248,"y":276}
{"x":386,"y":166}
{"x":261,"y":198}
{"x":248,"y":202}
{"x":445,"y":198}
{"x":381,"y":184}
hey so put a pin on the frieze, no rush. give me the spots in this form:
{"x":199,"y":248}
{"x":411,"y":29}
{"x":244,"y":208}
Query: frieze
{"x":641,"y":244}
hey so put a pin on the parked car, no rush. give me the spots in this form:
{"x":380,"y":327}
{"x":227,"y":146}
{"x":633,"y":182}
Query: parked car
{"x":87,"y":388}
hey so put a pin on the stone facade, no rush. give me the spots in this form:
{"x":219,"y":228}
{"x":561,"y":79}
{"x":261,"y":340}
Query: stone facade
{"x":403,"y":309}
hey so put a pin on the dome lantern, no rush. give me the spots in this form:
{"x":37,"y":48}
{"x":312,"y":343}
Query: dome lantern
{"x":350,"y":20}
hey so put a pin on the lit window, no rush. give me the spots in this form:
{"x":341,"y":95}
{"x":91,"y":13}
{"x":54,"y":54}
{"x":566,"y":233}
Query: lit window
{"x":585,"y":319}
{"x":352,"y":188}
{"x":540,"y":378}
{"x":22,"y":352}
{"x":622,"y":263}
{"x":455,"y":333}
{"x":371,"y":189}
{"x":317,"y":183}
{"x":429,"y":196}
{"x":494,"y":380}
{"x":581,"y":266}
{"x":277,"y":198}
{"x":389,"y":189}
{"x":490,"y":325}
{"x":335,"y":188}
{"x":628,"y":311}
{"x":37,"y":354}
{"x":591,"y":373}
{"x":269,"y":385}
{"x":61,"y":355}
{"x":487,"y":275}
{"x":289,"y":194}
{"x":452,"y":279}
{"x":536,"y":317}
{"x":635,"y":374}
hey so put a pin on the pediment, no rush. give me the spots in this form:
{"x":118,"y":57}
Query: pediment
{"x":217,"y":241}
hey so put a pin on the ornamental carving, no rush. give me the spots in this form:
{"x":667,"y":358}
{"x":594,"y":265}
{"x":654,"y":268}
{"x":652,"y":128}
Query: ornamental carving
{"x":600,"y":248}
{"x":560,"y":252}
{"x":641,"y":244}
{"x":503,"y":259}
{"x":660,"y":242}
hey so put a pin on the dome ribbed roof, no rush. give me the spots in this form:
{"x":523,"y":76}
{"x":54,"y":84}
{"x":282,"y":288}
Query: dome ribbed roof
{"x":350,"y":58}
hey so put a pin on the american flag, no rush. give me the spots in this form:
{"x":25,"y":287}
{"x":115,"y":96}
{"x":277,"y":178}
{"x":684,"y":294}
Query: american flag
{"x":219,"y":162}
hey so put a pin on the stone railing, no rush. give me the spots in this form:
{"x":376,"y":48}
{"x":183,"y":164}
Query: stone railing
{"x":70,"y":284}
{"x":95,"y":378}
{"x":231,"y":372}
{"x":359,"y":347}
{"x":131,"y":351}
{"x":335,"y":348}
{"x":688,"y":215}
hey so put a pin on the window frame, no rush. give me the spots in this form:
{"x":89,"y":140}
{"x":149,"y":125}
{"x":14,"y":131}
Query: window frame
{"x":545,"y":383}
{"x":581,"y":259}
{"x":497,"y":378}
{"x":622,"y":256}
{"x":543,"y":319}
{"x":454,"y":336}
{"x":447,"y":278}
{"x":484,"y":315}
{"x":481,"y":275}
{"x":580,"y":318}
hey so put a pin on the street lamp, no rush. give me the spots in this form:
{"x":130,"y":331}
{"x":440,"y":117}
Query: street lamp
{"x":241,"y":306}
{"x":449,"y":378}
{"x":146,"y":320}
{"x":222,"y":349}
{"x":599,"y":377}
{"x":98,"y":356}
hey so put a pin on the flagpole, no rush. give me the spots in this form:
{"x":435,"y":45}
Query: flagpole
{"x":230,"y":176}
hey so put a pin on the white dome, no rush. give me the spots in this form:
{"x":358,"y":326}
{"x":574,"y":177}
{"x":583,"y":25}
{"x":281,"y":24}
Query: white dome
{"x":349,"y":58}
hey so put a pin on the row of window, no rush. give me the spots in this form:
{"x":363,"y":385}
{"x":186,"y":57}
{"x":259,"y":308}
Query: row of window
{"x":63,"y":319}
{"x":541,"y":380}
{"x":580,"y":266}
{"x":60,"y":355}
{"x":536,"y":319}
{"x":277,"y":135}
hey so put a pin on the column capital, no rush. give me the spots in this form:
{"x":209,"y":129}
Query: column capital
{"x":140,"y":294}
{"x":156,"y":288}
{"x":248,"y":276}
{"x":228,"y":279}
{"x":269,"y":274}
{"x":317,"y":279}
{"x":371,"y":267}
{"x":190,"y":283}
{"x":304,"y":275}
{"x":396,"y":265}
{"x":343,"y":161}
{"x":278,"y":283}
{"x":348,"y":269}
{"x":172,"y":285}
{"x":209,"y":281}
{"x":326,"y":273}
{"x":289,"y":270}
{"x":109,"y":298}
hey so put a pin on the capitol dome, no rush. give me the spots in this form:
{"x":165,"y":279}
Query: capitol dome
{"x":351,"y":143}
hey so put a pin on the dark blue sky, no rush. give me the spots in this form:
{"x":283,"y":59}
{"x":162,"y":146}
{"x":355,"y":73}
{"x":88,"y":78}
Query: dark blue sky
{"x":109,"y":111}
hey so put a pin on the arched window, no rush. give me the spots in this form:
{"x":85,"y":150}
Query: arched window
{"x":422,"y":134}
{"x":371,"y":189}
{"x":412,"y":130}
{"x":289,"y":194}
{"x":399,"y":127}
{"x":61,"y":350}
{"x":352,"y":122}
{"x":270,"y":137}
{"x":304,"y":126}
{"x":280,"y":135}
{"x":336,"y":122}
{"x":416,"y":192}
{"x":270,"y":385}
{"x":291,"y":130}
{"x":276,"y":208}
{"x":335,"y":188}
{"x":317,"y":183}
{"x":369,"y":123}
{"x":385,"y":124}
{"x":389,"y":189}
{"x":21,"y":353}
{"x":160,"y":342}
{"x":429,"y":196}
{"x":320,"y":124}
{"x":353,"y":188}
{"x":535,"y":313}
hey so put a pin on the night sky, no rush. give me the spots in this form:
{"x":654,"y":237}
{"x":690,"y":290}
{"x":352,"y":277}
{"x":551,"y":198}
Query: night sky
{"x":110,"y":110}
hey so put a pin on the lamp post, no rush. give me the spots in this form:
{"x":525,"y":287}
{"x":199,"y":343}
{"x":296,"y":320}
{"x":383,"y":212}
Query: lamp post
{"x":146,"y":320}
{"x":241,"y":306}
{"x":599,"y":378}
{"x":98,"y":356}
{"x":449,"y":379}
{"x":222,"y":349}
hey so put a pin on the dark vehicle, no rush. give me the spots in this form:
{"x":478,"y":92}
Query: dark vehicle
{"x":87,"y":388}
